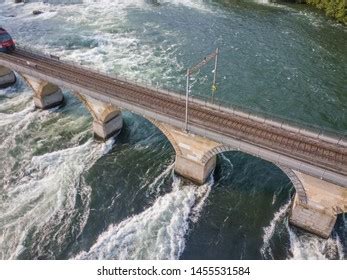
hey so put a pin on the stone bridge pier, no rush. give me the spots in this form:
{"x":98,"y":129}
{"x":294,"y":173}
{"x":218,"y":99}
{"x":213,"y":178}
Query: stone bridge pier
{"x":7,"y":77}
{"x":46,"y":95}
{"x":316,"y":203}
{"x":324,"y":201}
{"x":107,"y":118}
{"x":191,"y":153}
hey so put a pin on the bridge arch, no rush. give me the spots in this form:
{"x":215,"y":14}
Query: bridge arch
{"x":101,"y":112}
{"x":166,"y":131}
{"x":298,"y":185}
{"x":215,"y":151}
{"x":7,"y":77}
{"x":46,"y":95}
{"x":107,"y":118}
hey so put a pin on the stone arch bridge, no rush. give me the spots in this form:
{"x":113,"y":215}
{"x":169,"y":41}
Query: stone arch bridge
{"x":315,"y":161}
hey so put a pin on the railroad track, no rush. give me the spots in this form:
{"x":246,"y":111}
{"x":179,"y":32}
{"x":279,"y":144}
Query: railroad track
{"x":282,"y":141}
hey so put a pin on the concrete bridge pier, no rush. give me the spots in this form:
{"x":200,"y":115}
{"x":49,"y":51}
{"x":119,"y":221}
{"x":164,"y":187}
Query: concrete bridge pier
{"x":104,"y":128}
{"x":191,"y":150}
{"x":324,"y":202}
{"x":7,"y":77}
{"x":46,"y":95}
{"x":107,"y":118}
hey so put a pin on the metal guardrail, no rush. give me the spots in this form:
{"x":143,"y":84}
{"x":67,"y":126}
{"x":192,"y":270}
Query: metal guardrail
{"x":314,"y":131}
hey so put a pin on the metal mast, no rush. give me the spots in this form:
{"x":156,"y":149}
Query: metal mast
{"x":195,"y":68}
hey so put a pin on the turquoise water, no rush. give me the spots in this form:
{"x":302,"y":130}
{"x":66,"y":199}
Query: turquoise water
{"x":63,"y":195}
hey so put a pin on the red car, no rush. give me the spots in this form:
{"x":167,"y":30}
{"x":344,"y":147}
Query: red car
{"x":6,"y":43}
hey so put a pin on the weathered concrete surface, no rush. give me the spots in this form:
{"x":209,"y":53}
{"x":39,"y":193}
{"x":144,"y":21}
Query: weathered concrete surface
{"x":324,"y":201}
{"x":190,"y":151}
{"x":107,"y":118}
{"x":46,"y":95}
{"x":105,"y":130}
{"x":7,"y":77}
{"x":194,"y":170}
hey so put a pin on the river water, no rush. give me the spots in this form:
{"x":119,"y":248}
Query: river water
{"x":65,"y":196}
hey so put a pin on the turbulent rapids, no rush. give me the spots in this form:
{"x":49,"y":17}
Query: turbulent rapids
{"x":65,"y":196}
{"x":158,"y":232}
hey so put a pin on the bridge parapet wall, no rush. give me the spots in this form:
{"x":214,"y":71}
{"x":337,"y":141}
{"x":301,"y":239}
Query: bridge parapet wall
{"x":7,"y":77}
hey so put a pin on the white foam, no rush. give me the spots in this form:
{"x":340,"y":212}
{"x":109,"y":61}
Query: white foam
{"x":14,"y":99}
{"x":6,"y":119}
{"x":305,"y":246}
{"x":202,"y":193}
{"x":158,"y":181}
{"x":156,"y":233}
{"x":302,"y":245}
{"x":192,"y":4}
{"x":264,"y":2}
{"x":230,"y":167}
{"x":22,"y":120}
{"x":270,"y":230}
{"x":47,"y":188}
{"x":124,"y":51}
